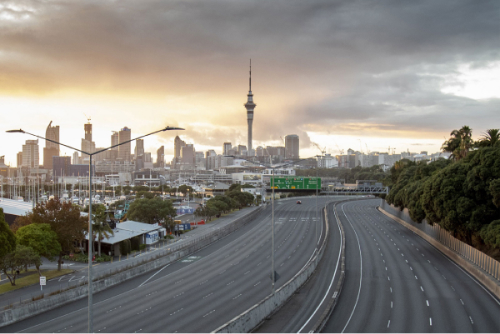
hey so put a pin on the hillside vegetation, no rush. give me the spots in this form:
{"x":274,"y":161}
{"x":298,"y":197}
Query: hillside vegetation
{"x":462,"y":194}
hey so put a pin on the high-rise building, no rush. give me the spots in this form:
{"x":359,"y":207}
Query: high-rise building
{"x":51,"y":149}
{"x":160,"y":157}
{"x":76,"y":159}
{"x":139,"y":147}
{"x":226,"y":147}
{"x":114,"y":140}
{"x":178,"y":144}
{"x":124,"y":150}
{"x":88,"y":131}
{"x":250,"y":106}
{"x":19,"y":159}
{"x":187,"y":154}
{"x":292,"y":147}
{"x":61,"y":166}
{"x":30,"y":154}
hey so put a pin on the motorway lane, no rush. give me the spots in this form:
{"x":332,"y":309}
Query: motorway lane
{"x":80,"y":275}
{"x":397,"y":282}
{"x":303,"y":310}
{"x":212,"y":289}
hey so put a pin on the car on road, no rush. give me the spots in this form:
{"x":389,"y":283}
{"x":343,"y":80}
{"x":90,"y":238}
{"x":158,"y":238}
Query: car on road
{"x":299,"y":202}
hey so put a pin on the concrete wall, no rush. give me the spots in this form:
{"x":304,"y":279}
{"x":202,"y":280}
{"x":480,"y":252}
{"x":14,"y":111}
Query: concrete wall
{"x":138,"y":268}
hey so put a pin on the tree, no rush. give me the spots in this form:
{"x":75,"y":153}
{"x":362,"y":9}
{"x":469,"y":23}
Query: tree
{"x":16,"y":260}
{"x":41,"y":239}
{"x":459,"y":144}
{"x":7,"y":237}
{"x":64,"y":219}
{"x":100,"y":227}
{"x":490,"y":138}
{"x":184,"y":189}
{"x":151,"y":211}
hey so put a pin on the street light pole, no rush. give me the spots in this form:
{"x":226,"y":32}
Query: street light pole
{"x":91,"y":239}
{"x":272,"y":232}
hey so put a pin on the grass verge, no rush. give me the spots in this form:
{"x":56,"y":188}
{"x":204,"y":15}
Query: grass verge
{"x":31,"y":279}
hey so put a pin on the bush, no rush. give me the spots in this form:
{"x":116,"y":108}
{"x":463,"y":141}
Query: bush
{"x":169,"y":236}
{"x":142,"y":246}
{"x":135,"y":243}
{"x":125,"y":247}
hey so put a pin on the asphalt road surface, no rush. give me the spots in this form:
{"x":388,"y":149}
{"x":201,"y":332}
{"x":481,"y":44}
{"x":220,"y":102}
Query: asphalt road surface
{"x":397,"y":282}
{"x":205,"y":290}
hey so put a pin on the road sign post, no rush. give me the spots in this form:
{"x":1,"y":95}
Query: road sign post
{"x":43,"y":281}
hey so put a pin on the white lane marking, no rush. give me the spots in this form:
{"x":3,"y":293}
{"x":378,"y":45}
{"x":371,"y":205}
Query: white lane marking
{"x":411,"y":268}
{"x":430,"y":321}
{"x":391,"y":289}
{"x":452,"y":287}
{"x":361,"y":269}
{"x":472,"y":322}
{"x":238,"y":296}
{"x":153,"y":275}
{"x":258,"y":283}
{"x":443,"y":276}
{"x":416,"y":277}
{"x":247,"y":272}
{"x":211,"y":293}
{"x":177,"y":311}
{"x":388,"y":278}
{"x":462,"y":302}
{"x":230,"y":283}
{"x":385,"y":268}
{"x":388,"y":324}
{"x":391,"y":304}
{"x":427,"y":302}
{"x":209,"y":313}
{"x":205,"y":281}
{"x":421,"y":288}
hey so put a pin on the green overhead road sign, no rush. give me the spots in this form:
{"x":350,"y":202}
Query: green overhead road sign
{"x":296,"y":183}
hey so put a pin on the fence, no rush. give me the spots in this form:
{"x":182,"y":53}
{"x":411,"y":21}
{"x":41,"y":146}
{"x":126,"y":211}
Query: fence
{"x":483,"y":261}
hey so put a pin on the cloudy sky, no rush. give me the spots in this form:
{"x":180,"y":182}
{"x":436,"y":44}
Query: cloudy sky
{"x":343,"y":74}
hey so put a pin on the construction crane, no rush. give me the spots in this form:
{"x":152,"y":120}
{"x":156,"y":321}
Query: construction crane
{"x":323,"y":151}
{"x":340,"y":151}
{"x":87,"y":117}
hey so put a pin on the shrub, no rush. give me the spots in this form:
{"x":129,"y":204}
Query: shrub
{"x":135,"y":243}
{"x":125,"y":247}
{"x":142,"y":246}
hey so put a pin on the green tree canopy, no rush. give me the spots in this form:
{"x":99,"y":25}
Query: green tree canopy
{"x":151,"y":211}
{"x":41,"y":239}
{"x":64,"y":219}
{"x":7,"y":237}
{"x":18,"y":259}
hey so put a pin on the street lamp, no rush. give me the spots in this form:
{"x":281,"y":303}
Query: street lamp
{"x":90,"y":320}
{"x":272,"y":212}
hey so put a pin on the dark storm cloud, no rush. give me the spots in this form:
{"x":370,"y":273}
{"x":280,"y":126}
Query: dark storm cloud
{"x":329,"y":64}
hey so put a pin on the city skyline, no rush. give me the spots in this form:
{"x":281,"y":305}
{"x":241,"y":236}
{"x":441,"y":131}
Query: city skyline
{"x":346,"y":74}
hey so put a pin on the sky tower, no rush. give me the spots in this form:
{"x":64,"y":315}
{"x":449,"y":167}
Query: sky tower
{"x":250,"y":106}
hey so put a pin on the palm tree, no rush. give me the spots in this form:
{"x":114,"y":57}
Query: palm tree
{"x":490,"y":138}
{"x":99,"y":227}
{"x":459,"y":144}
{"x":101,"y":230}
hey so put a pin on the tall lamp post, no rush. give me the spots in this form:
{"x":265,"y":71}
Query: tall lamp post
{"x":273,"y":278}
{"x":90,"y":316}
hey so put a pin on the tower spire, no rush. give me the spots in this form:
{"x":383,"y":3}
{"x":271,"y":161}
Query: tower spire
{"x":250,"y":86}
